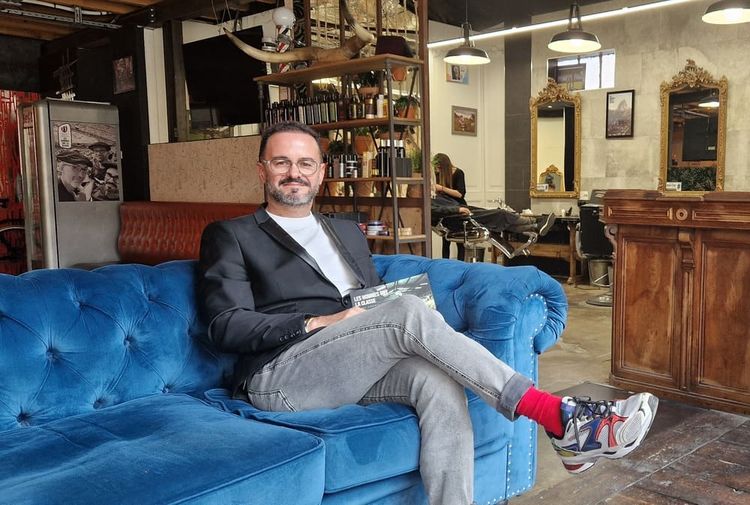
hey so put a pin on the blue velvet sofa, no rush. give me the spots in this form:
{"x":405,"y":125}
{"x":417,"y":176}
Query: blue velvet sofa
{"x":109,"y":393}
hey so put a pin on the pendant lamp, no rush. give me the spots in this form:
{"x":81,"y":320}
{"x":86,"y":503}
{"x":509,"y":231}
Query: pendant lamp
{"x":466,"y":54}
{"x":728,"y":12}
{"x":574,"y":39}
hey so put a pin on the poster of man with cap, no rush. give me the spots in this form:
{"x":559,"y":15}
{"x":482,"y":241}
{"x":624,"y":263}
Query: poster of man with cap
{"x":86,"y":162}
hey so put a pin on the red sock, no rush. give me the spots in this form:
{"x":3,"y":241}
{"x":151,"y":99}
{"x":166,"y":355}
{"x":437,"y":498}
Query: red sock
{"x":542,"y":407}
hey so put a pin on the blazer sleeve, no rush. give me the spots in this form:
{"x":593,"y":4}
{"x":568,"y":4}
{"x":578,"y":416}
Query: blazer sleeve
{"x":225,"y":291}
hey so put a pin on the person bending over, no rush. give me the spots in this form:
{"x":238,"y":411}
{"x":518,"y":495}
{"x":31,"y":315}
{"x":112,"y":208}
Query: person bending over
{"x":451,"y":186}
{"x":273,"y":286}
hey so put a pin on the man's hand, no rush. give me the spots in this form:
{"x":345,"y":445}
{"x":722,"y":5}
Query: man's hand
{"x":321,"y":321}
{"x":464,"y":211}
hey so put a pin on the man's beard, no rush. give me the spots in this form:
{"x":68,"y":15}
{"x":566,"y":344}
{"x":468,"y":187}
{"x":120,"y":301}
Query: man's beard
{"x":293,"y":199}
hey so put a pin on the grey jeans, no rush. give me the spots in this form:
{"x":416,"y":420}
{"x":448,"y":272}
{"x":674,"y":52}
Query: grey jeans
{"x":399,"y":352}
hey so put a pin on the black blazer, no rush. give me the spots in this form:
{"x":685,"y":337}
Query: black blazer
{"x":257,"y":285}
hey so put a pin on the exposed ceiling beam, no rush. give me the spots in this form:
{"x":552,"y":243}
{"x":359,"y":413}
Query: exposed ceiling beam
{"x":94,"y":5}
{"x":19,"y":27}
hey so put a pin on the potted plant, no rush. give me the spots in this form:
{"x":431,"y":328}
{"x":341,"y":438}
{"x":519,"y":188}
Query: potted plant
{"x":406,"y":106}
{"x":362,"y":140}
{"x":369,"y":84}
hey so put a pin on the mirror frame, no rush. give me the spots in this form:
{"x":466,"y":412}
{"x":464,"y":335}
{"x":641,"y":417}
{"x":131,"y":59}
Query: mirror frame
{"x":693,"y":76}
{"x":553,"y":92}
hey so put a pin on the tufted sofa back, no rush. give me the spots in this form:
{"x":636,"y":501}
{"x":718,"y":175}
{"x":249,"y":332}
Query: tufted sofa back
{"x":155,"y":232}
{"x":73,"y":341}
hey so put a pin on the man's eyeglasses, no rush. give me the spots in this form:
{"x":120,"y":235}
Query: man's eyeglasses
{"x":281,"y":165}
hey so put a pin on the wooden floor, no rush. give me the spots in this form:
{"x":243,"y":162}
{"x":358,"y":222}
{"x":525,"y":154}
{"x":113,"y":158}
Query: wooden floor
{"x":691,"y":456}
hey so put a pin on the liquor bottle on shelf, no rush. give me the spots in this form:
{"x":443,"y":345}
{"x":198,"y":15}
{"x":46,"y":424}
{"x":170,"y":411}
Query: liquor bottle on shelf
{"x":342,"y":106}
{"x":333,"y":100}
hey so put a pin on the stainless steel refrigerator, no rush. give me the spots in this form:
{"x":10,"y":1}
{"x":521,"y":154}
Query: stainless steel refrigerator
{"x":72,"y":185}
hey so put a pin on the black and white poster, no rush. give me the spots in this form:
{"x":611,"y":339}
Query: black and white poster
{"x":86,"y":161}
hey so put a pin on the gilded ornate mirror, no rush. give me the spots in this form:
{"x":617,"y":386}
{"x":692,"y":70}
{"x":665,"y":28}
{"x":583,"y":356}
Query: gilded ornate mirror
{"x":693,"y":132}
{"x":555,"y":143}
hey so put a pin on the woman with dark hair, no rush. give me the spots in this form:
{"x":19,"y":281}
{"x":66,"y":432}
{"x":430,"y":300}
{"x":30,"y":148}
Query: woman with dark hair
{"x":450,"y":209}
{"x":451,"y":185}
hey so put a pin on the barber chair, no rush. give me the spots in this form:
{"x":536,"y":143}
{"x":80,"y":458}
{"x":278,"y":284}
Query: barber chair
{"x":472,"y":235}
{"x":476,"y":238}
{"x":596,"y":248}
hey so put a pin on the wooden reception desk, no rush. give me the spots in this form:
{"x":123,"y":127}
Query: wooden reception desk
{"x":681,"y":315}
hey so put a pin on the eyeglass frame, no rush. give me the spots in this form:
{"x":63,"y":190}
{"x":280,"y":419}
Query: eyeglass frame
{"x":269,"y":166}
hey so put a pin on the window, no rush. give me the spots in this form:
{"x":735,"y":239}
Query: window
{"x":590,"y":71}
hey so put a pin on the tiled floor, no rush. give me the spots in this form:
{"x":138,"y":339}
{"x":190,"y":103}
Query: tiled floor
{"x":691,"y":456}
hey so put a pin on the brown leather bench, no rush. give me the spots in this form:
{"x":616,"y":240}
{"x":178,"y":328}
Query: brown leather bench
{"x":155,"y":232}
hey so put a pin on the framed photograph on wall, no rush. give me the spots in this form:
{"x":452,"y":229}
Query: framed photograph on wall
{"x":463,"y":121}
{"x":457,"y":73}
{"x":620,"y":114}
{"x":124,"y":78}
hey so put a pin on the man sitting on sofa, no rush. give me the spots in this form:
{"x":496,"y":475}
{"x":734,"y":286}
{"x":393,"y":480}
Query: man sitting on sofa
{"x":274,"y":288}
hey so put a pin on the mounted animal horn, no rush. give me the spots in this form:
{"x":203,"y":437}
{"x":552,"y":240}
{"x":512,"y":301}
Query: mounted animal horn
{"x":349,"y":48}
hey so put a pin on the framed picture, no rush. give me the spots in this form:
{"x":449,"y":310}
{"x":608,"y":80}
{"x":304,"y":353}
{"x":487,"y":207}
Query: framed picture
{"x":620,"y":114}
{"x":124,"y":78}
{"x":463,"y":121}
{"x":457,"y":73}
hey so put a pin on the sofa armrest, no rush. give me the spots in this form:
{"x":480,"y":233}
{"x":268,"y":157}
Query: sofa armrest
{"x":490,"y":303}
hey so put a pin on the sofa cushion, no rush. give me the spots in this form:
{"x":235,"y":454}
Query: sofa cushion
{"x":161,"y":449}
{"x":359,"y":439}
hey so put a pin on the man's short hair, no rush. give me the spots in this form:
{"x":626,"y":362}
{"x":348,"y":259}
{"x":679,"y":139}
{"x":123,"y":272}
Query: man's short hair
{"x":287,"y":126}
{"x":74,"y":158}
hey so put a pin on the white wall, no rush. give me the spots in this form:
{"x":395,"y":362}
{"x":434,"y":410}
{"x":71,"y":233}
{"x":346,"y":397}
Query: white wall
{"x":482,"y":158}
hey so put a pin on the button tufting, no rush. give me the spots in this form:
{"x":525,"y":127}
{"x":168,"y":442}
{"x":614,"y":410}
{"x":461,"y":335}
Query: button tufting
{"x":167,"y":388}
{"x":99,"y":403}
{"x":53,"y":354}
{"x":128,"y":341}
{"x":23,"y":418}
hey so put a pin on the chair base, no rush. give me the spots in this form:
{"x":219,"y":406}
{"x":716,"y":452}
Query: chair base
{"x":604,"y":300}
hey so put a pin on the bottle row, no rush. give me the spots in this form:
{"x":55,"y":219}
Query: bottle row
{"x":327,"y":108}
{"x":371,"y":164}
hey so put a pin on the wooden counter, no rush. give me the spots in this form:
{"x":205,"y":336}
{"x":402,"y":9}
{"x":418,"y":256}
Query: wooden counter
{"x":681,"y":315}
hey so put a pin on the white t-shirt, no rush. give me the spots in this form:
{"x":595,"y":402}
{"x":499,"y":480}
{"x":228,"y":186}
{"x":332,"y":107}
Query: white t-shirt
{"x":309,"y":233}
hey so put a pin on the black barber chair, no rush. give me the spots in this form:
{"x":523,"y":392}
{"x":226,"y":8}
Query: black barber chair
{"x":472,"y":235}
{"x":596,"y":248}
{"x":476,"y":238}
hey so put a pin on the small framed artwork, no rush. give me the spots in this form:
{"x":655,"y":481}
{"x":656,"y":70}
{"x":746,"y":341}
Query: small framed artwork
{"x":463,"y":121}
{"x":457,"y":73}
{"x":620,"y":114}
{"x":124,"y":78}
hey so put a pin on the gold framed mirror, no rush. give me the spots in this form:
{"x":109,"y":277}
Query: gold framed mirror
{"x":555,"y":143}
{"x":693,"y":132}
